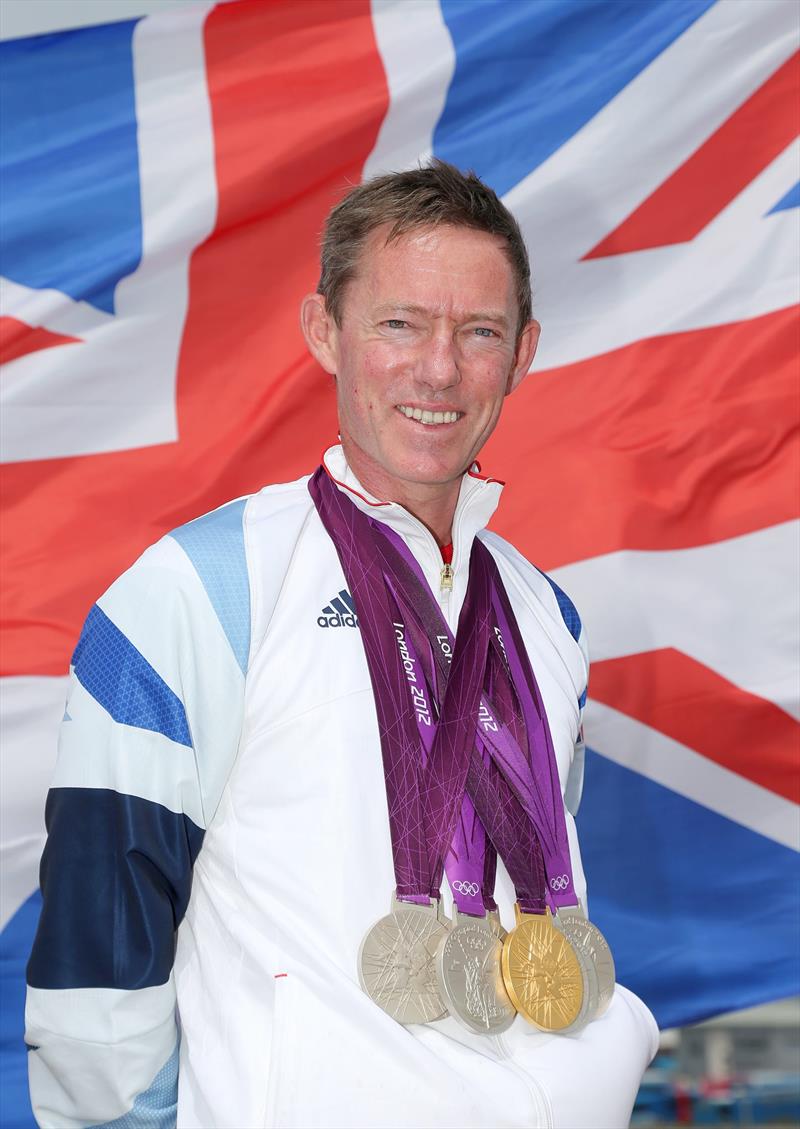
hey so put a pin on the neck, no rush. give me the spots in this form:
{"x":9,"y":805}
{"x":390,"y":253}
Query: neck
{"x":432,"y":503}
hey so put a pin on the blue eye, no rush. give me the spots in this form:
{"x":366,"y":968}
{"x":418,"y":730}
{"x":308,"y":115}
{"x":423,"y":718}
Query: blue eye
{"x":396,"y":323}
{"x":482,"y":331}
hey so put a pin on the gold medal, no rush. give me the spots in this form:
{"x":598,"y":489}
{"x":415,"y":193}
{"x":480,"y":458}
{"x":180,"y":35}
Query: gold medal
{"x":542,"y":973}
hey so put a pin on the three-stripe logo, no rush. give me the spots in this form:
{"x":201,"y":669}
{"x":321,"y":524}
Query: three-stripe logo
{"x":340,"y":612}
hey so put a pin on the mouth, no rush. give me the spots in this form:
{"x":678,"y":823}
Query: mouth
{"x":428,"y":418}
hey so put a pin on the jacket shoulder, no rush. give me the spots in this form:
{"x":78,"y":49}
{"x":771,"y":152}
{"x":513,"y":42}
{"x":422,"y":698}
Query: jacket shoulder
{"x":280,"y":506}
{"x":534,"y":583}
{"x":221,"y":546}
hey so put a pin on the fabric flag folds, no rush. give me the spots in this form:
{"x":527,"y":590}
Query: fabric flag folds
{"x":164,"y":181}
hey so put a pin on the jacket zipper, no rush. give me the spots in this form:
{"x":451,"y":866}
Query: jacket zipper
{"x":539,"y":1094}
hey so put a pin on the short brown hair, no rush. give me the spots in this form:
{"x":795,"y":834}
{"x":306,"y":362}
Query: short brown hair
{"x":437,"y":193}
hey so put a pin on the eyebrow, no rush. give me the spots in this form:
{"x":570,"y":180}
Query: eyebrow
{"x":410,"y":308}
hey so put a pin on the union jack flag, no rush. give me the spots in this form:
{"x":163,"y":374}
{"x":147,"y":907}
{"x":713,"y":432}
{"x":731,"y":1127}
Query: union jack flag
{"x":165,"y":179}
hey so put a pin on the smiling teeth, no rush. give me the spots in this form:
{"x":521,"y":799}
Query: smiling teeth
{"x":428,"y":417}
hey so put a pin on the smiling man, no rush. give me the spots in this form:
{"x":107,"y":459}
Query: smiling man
{"x":302,"y":848}
{"x":437,"y":332}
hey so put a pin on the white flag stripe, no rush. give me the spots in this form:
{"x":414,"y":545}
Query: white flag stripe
{"x":733,"y":605}
{"x":21,"y":18}
{"x":51,"y":309}
{"x":603,"y":304}
{"x":644,"y":750}
{"x":419,"y":60}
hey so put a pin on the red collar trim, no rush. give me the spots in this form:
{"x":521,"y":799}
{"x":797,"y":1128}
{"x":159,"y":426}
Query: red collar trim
{"x":476,"y":473}
{"x":473,"y":473}
{"x":344,"y":486}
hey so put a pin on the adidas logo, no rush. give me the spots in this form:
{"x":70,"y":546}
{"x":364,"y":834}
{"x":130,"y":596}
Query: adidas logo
{"x":340,"y":612}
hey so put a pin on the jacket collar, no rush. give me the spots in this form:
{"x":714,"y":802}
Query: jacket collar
{"x":477,"y":500}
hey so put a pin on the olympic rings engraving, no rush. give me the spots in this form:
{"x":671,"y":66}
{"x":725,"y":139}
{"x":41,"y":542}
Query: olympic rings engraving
{"x":560,"y":882}
{"x":468,"y":888}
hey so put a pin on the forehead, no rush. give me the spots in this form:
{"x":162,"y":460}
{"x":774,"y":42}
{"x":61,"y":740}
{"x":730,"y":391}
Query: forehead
{"x":439,"y":265}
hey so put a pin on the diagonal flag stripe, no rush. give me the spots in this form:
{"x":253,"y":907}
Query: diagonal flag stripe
{"x":694,"y":705}
{"x":732,"y":157}
{"x":667,"y":762}
{"x":18,"y":339}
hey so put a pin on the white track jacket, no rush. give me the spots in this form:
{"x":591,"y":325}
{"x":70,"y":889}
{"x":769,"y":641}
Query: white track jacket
{"x":220,"y":781}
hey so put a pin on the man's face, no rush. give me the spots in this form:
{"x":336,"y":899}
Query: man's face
{"x":425,"y":354}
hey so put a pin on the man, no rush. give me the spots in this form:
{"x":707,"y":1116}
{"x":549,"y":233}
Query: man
{"x":220,"y":774}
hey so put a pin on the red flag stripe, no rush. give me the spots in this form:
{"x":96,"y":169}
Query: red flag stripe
{"x":668,"y":443}
{"x":701,"y":187}
{"x":692,"y":704}
{"x":18,"y":338}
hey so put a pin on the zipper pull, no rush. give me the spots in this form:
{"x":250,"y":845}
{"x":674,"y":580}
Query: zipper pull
{"x":447,"y":578}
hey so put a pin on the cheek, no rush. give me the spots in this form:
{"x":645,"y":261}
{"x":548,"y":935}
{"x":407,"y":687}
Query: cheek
{"x":358,"y":399}
{"x":365,"y":398}
{"x":489,"y":384}
{"x":376,"y":381}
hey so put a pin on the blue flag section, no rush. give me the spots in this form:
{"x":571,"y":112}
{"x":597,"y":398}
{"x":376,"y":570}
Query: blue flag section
{"x":514,"y":68}
{"x":665,"y":879}
{"x":69,"y":162}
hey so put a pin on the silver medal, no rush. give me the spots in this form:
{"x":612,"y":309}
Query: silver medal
{"x":591,"y":988}
{"x":471,"y":976}
{"x":397,"y":963}
{"x":493,"y":920}
{"x":588,"y":938}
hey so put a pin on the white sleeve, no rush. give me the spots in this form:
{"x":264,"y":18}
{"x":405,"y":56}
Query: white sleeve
{"x":144,"y":754}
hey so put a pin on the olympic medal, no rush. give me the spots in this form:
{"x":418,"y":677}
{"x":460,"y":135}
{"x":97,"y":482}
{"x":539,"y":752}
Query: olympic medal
{"x":570,"y":927}
{"x":542,"y":973}
{"x":471,"y":977}
{"x":585,"y":933}
{"x":493,"y":919}
{"x":397,"y":963}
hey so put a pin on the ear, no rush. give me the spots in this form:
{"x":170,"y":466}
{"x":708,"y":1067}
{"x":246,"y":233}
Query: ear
{"x":320,"y":332}
{"x":526,"y":350}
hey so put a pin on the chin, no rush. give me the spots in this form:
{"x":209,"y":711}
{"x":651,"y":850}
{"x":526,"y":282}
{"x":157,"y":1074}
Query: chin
{"x":430,"y":472}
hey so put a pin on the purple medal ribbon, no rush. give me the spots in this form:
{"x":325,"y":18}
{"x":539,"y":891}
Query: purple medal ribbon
{"x":471,"y":860}
{"x":489,"y":794}
{"x":538,"y":788}
{"x":424,"y":794}
{"x":512,"y":832}
{"x":512,"y":718}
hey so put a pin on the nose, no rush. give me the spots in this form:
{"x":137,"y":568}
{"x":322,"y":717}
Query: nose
{"x":438,"y":363}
